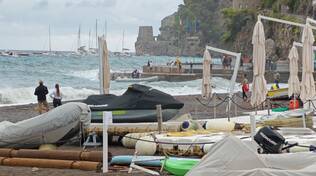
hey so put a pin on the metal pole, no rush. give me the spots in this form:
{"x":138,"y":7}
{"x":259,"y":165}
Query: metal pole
{"x":252,"y":125}
{"x":229,"y":110}
{"x":107,"y":118}
{"x":100,"y":66}
{"x":159,"y":118}
{"x":235,"y":110}
{"x":304,"y":122}
{"x":269,"y":104}
{"x":214,"y":103}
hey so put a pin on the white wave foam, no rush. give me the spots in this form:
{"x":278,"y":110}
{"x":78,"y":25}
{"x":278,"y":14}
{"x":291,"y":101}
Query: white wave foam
{"x":92,"y":75}
{"x":26,"y":95}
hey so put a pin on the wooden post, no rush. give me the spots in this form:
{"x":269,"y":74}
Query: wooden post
{"x":159,"y":118}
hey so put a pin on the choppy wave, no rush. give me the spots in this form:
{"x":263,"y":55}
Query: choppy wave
{"x":26,"y":95}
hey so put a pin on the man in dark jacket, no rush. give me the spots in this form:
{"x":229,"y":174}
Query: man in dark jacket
{"x":41,"y":92}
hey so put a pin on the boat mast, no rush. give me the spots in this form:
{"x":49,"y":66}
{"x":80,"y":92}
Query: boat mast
{"x":79,"y":42}
{"x":123,"y":41}
{"x":49,"y":40}
{"x":105,"y":28}
{"x":89,"y":38}
{"x":96,"y":33}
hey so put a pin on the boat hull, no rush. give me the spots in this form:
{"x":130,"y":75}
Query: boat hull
{"x":281,"y":93}
{"x":134,"y":116}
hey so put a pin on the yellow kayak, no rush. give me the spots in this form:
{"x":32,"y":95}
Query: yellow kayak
{"x":279,"y":93}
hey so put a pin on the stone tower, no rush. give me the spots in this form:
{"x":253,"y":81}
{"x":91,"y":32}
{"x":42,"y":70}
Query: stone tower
{"x":145,"y":40}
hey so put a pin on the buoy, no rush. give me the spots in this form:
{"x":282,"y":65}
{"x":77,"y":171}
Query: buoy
{"x":189,"y":125}
{"x":129,"y":140}
{"x":219,"y":125}
{"x":294,"y":104}
{"x":144,"y":147}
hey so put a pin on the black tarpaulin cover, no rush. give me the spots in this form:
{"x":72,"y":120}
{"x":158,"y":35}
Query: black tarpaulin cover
{"x":136,"y":97}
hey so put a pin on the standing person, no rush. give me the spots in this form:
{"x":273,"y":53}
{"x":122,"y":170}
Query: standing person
{"x":56,"y":96}
{"x":224,"y":61}
{"x":178,"y":64}
{"x":276,"y":82}
{"x":245,"y":88}
{"x":41,"y":91}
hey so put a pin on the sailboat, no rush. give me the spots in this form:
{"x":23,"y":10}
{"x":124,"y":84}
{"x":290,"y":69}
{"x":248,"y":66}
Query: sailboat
{"x":124,"y":52}
{"x":94,"y":51}
{"x":80,"y":49}
{"x":49,"y":52}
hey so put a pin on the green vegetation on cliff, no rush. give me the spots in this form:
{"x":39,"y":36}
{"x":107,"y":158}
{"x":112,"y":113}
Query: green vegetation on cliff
{"x":222,"y":25}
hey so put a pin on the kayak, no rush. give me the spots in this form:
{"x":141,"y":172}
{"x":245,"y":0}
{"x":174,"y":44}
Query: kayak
{"x":179,"y":167}
{"x":125,"y":160}
{"x":281,"y":93}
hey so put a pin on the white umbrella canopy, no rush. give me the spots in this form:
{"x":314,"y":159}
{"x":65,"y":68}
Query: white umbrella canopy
{"x":294,"y":83}
{"x":105,"y":75}
{"x":206,"y":82}
{"x":259,"y":84}
{"x":307,"y":84}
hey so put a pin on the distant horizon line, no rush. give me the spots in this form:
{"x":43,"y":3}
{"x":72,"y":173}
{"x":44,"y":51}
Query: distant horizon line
{"x":30,"y":50}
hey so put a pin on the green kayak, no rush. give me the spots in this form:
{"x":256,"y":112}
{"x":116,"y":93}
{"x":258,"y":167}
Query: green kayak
{"x":179,"y":167}
{"x":280,"y":109}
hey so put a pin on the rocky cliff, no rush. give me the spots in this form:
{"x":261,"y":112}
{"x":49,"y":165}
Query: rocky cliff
{"x":226,"y":24}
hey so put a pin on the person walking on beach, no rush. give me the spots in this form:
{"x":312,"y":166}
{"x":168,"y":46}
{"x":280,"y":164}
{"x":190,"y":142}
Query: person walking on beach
{"x":41,"y":91}
{"x":56,"y":96}
{"x":245,"y":88}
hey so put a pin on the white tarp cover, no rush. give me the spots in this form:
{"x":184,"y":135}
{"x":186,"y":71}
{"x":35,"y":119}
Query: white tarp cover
{"x":231,"y":157}
{"x":46,"y":128}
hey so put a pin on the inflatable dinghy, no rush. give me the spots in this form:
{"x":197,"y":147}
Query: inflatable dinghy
{"x":54,"y":127}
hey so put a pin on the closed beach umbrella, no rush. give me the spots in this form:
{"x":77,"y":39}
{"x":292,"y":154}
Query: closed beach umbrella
{"x":294,"y":83}
{"x":259,"y":84}
{"x":206,"y":82}
{"x":307,"y":84}
{"x":105,"y":75}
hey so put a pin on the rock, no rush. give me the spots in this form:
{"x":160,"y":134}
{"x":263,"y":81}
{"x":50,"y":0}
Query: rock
{"x":34,"y":169}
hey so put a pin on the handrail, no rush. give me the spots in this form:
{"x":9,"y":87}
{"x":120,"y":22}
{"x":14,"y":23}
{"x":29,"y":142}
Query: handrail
{"x":280,"y":21}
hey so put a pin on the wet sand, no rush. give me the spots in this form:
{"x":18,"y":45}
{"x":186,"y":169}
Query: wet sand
{"x":191,"y":105}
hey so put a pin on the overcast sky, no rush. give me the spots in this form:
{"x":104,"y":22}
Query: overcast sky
{"x":24,"y":23}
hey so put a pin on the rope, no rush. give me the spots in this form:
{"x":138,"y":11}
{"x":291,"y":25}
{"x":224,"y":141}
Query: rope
{"x":249,"y":109}
{"x":206,"y":105}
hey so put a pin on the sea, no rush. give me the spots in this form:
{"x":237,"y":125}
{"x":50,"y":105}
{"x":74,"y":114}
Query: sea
{"x":78,"y":76}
